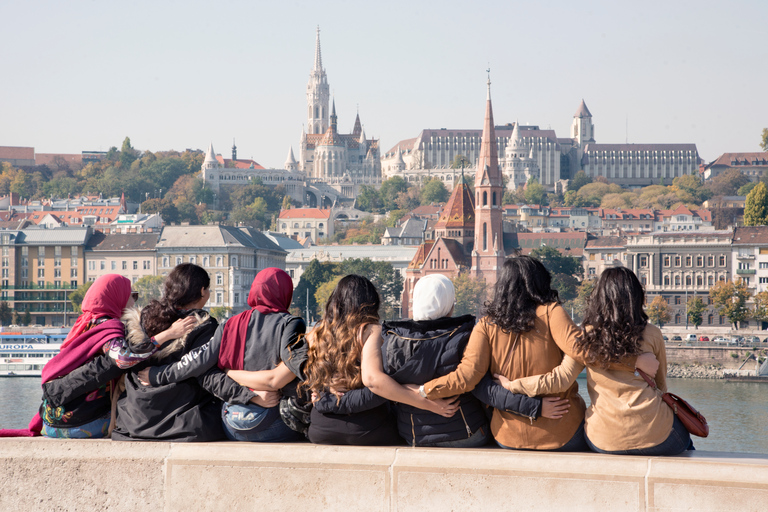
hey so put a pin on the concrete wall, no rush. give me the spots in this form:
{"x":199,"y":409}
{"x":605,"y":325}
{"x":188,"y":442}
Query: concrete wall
{"x":45,"y":474}
{"x":713,"y":355}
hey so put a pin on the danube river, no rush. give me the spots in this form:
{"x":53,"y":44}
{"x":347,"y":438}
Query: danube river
{"x":736,"y":411}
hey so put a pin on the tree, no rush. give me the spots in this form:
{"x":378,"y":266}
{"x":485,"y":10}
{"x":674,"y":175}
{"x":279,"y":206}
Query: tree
{"x":460,"y":162}
{"x":534,"y":192}
{"x":77,"y":296}
{"x":730,"y":300}
{"x":756,"y":207}
{"x":5,"y":313}
{"x":315,"y":274}
{"x":746,"y":189}
{"x":323,"y":293}
{"x":368,"y":199}
{"x":696,"y":309}
{"x":127,"y":154}
{"x":658,"y":311}
{"x":566,"y":270}
{"x":470,"y":294}
{"x":383,"y":276}
{"x":26,"y":318}
{"x":390,"y":190}
{"x":434,"y":191}
{"x":220,"y":312}
{"x":580,"y":303}
{"x":149,"y":287}
{"x":727,"y":183}
{"x":764,"y":141}
{"x":760,"y":311}
{"x":578,"y":181}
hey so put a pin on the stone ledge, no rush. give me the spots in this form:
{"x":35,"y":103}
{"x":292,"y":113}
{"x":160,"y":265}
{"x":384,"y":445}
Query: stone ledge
{"x":46,"y":474}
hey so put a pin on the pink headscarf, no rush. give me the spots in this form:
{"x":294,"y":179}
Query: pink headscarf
{"x":107,"y":297}
{"x":271,"y":292}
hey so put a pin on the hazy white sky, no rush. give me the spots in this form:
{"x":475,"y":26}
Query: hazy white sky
{"x":81,"y":75}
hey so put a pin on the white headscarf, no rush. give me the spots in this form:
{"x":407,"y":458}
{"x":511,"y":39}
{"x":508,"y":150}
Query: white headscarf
{"x":433,"y":297}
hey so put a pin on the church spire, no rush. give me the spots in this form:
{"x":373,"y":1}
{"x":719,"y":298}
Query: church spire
{"x":334,"y":125}
{"x":488,"y":162}
{"x":318,"y":55}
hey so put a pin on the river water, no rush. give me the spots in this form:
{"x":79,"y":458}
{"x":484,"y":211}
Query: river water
{"x":736,"y":411}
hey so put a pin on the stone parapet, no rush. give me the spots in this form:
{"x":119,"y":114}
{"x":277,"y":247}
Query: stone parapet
{"x":45,"y":474}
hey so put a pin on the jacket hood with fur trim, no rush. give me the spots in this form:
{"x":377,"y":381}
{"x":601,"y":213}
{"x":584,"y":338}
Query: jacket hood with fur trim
{"x":135,"y":334}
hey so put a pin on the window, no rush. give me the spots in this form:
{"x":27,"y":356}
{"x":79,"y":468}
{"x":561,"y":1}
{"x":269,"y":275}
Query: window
{"x":103,"y":265}
{"x":73,"y":283}
{"x":666,"y":261}
{"x":234,"y":261}
{"x":722,"y":261}
{"x":135,"y":265}
{"x":237,"y":279}
{"x":73,"y":272}
{"x":206,"y":261}
{"x":91,"y":265}
{"x":643,"y":261}
{"x":710,"y":261}
{"x":24,"y":273}
{"x":179,"y":260}
{"x":193,"y":259}
{"x":219,"y":297}
{"x":5,"y":262}
{"x":219,"y":261}
{"x":666,"y":280}
{"x":710,"y":281}
{"x":677,"y":299}
{"x":764,"y":280}
{"x":677,"y":280}
{"x":763,"y":264}
{"x":688,"y":281}
{"x":699,"y":261}
{"x":688,"y":261}
{"x":147,"y":264}
{"x":699,"y":281}
{"x":41,"y":284}
{"x":57,"y":251}
{"x":166,"y":261}
{"x":114,"y":265}
{"x":219,"y":279}
{"x":57,"y":272}
{"x":485,"y":198}
{"x":125,"y":263}
{"x":41,"y":272}
{"x":237,"y":298}
{"x":677,"y":261}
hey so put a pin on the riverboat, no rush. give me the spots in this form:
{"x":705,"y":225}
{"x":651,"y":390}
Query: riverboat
{"x":24,"y":355}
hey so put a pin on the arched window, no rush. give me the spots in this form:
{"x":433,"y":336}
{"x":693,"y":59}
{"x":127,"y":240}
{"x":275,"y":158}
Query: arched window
{"x":677,"y":280}
{"x":710,"y":318}
{"x":710,"y":281}
{"x":677,"y":318}
{"x":699,"y":281}
{"x":485,"y":236}
{"x":206,"y":261}
{"x":688,"y":281}
{"x":234,"y":261}
{"x":485,"y":198}
{"x":666,"y":280}
{"x":494,"y":199}
{"x":219,"y":261}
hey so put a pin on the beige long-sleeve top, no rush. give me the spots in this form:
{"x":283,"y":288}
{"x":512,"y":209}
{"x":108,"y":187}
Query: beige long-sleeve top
{"x":626,"y":413}
{"x":519,"y":355}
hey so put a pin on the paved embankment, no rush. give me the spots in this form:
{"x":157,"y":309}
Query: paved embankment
{"x":45,"y":474}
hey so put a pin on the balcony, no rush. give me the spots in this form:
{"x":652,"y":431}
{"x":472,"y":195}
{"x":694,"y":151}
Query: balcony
{"x":746,"y":271}
{"x":745,"y":256}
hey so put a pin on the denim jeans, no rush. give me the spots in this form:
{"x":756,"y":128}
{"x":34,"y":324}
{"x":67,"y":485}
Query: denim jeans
{"x":479,"y":438}
{"x":96,"y":429}
{"x":679,"y":440}
{"x":577,"y":443}
{"x":255,"y":423}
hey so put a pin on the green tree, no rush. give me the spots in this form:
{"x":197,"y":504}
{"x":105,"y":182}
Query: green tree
{"x":149,"y":287}
{"x":764,"y":139}
{"x":730,"y":300}
{"x":5,"y":313}
{"x":578,"y":181}
{"x":220,"y":312}
{"x":696,"y":308}
{"x":580,"y":303}
{"x":315,"y":274}
{"x":390,"y":190}
{"x":534,"y":192}
{"x":287,"y":203}
{"x":394,"y":216}
{"x":434,"y":191}
{"x":368,"y":199}
{"x":127,"y":154}
{"x":15,"y":318}
{"x":756,"y":207}
{"x":26,"y":318}
{"x":760,"y":310}
{"x":77,"y":296}
{"x":323,"y":293}
{"x":383,"y":276}
{"x":556,"y":263}
{"x":746,"y":189}
{"x":460,"y":162}
{"x":22,"y":184}
{"x":470,"y":295}
{"x":658,"y":311}
{"x":727,"y":183}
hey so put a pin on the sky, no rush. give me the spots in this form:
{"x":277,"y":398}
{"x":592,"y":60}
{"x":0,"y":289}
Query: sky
{"x":83,"y":75}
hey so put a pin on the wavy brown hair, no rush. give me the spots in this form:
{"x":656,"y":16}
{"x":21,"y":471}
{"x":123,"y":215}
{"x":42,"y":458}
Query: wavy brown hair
{"x":615,"y":319}
{"x":334,"y":356}
{"x":182,"y":287}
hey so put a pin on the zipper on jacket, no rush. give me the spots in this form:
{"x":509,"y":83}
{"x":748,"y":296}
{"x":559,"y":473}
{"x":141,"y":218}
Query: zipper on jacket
{"x":413,"y":432}
{"x":466,"y":425}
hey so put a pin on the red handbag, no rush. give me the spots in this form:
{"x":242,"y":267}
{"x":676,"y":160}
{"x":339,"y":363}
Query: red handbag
{"x":692,"y":419}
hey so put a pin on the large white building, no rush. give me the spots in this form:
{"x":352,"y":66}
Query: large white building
{"x":528,"y":152}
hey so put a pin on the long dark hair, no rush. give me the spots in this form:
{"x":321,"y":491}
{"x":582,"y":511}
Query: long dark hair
{"x":183,"y":286}
{"x":524,"y":285}
{"x":615,"y":319}
{"x":334,"y":357}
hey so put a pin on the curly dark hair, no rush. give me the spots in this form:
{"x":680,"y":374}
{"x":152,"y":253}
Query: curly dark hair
{"x":334,"y":357}
{"x":182,"y":287}
{"x":524,"y":285}
{"x":615,"y":319}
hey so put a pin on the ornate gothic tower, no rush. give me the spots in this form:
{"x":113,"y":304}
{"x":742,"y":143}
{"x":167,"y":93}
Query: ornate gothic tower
{"x":317,"y":94}
{"x":488,"y":251}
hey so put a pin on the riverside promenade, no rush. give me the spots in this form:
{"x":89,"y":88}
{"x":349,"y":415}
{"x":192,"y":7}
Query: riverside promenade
{"x":47,"y":474}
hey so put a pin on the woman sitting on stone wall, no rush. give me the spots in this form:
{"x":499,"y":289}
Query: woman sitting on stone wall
{"x":626,"y":416}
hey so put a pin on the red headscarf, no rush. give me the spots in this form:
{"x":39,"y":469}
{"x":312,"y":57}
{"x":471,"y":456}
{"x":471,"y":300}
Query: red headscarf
{"x":106,"y":297}
{"x":271,"y":292}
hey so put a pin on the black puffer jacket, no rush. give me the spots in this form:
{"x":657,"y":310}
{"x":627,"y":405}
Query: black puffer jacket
{"x":189,"y":410}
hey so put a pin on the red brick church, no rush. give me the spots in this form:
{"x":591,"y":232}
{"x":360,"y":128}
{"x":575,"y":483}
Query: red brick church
{"x":469,"y":234}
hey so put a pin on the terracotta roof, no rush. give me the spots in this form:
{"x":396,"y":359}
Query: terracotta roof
{"x":239,"y":163}
{"x":16,"y":153}
{"x":732,"y":159}
{"x":606,"y":241}
{"x":331,"y":138}
{"x":459,"y":211}
{"x":54,"y":158}
{"x":750,"y":235}
{"x":421,"y":254}
{"x":427,"y":210}
{"x":305,"y":213}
